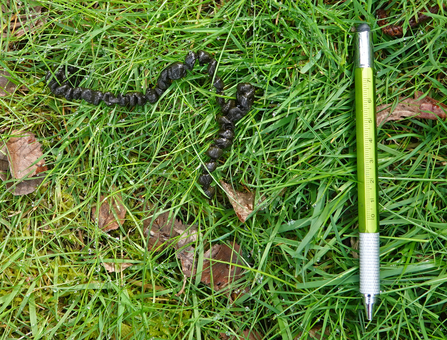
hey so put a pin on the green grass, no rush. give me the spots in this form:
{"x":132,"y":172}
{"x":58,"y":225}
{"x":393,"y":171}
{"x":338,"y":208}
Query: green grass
{"x":296,"y":148}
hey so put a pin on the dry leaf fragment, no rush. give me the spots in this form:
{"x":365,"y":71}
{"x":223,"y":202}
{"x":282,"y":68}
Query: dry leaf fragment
{"x":187,"y":235}
{"x":242,"y":202}
{"x":221,"y":273}
{"x":4,"y":164}
{"x":165,"y":230}
{"x":219,"y":265}
{"x":24,"y":187}
{"x":116,"y":267}
{"x":187,"y":259}
{"x":7,"y":87}
{"x":111,"y":214}
{"x":25,"y":155}
{"x":160,"y":230}
{"x":425,"y":108}
{"x":22,"y":156}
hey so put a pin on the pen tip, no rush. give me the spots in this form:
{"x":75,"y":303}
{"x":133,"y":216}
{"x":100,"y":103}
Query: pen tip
{"x":369,"y":311}
{"x":369,"y":302}
{"x":363,"y":28}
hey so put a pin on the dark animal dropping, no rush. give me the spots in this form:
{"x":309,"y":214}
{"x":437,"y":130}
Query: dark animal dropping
{"x":222,"y":143}
{"x":225,"y":123}
{"x":65,"y":80}
{"x":214,"y":152}
{"x":204,"y":57}
{"x":218,"y":84}
{"x":209,"y":192}
{"x":228,"y":106}
{"x":210,"y":166}
{"x":212,"y":67}
{"x":205,"y":180}
{"x":190,"y":60}
{"x":235,"y":114}
{"x":228,"y":134}
{"x":61,"y":90}
{"x":176,"y":71}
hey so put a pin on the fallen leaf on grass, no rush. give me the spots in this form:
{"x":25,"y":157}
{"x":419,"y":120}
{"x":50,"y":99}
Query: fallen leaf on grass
{"x":219,"y":265}
{"x":219,"y":261}
{"x":7,"y":87}
{"x":23,"y":157}
{"x":218,"y":268}
{"x":425,"y":108}
{"x":248,"y":334}
{"x":242,"y":202}
{"x":116,"y":267}
{"x":165,"y":230}
{"x":4,"y":164}
{"x":111,"y":214}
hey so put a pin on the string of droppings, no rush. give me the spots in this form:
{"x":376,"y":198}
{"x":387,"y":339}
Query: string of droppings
{"x":64,"y":81}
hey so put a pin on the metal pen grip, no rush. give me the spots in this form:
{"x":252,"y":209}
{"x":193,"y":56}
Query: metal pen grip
{"x":369,"y":263}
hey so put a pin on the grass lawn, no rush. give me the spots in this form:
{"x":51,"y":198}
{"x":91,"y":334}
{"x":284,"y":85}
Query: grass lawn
{"x":295,"y":149}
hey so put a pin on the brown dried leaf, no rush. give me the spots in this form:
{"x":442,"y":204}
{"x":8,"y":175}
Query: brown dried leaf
{"x":22,"y":156}
{"x":187,"y":258}
{"x":25,"y":186}
{"x":160,"y":229}
{"x":242,"y":202}
{"x":7,"y":87}
{"x":221,"y":273}
{"x":185,"y":250}
{"x":4,"y":164}
{"x":111,"y":214}
{"x":166,"y":230}
{"x":116,"y":267}
{"x":425,"y":108}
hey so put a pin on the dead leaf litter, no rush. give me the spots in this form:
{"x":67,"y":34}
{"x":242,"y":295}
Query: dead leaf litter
{"x":117,"y":267}
{"x":221,"y":263}
{"x":21,"y":162}
{"x":242,"y":202}
{"x":420,"y":107}
{"x":111,"y":214}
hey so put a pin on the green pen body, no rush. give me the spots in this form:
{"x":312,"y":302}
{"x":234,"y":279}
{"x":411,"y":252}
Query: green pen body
{"x":368,"y":209}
